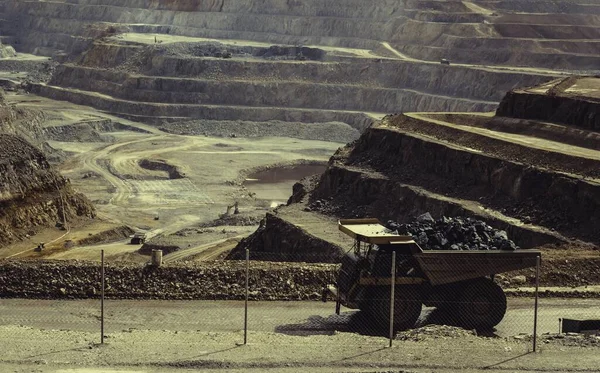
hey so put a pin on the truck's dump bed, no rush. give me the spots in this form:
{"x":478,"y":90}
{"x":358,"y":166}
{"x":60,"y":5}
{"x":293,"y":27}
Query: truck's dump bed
{"x":443,"y":267}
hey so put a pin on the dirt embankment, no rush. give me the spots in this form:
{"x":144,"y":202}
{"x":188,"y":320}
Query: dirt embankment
{"x":560,"y":107}
{"x":32,"y":194}
{"x":213,"y":280}
{"x":166,"y":248}
{"x":543,"y":197}
{"x":160,"y":165}
{"x":24,"y":123}
{"x":278,"y":240}
{"x":113,"y":234}
{"x":224,"y":280}
{"x":27,"y":124}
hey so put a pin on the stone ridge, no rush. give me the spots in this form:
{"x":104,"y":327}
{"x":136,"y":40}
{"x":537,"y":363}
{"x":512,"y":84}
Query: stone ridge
{"x":573,"y":101}
{"x":208,"y":280}
{"x":32,"y":194}
{"x":24,"y":169}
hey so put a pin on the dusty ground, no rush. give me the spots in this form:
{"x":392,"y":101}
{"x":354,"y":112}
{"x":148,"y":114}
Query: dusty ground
{"x":125,"y":193}
{"x":51,"y":336}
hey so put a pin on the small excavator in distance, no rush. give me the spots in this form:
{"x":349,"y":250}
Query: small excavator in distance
{"x":458,"y":281}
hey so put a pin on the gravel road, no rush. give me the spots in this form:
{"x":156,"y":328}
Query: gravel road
{"x":169,"y":336}
{"x":292,"y":318}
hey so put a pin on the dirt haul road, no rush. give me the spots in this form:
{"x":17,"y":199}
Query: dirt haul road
{"x":159,"y":335}
{"x":293,"y":318}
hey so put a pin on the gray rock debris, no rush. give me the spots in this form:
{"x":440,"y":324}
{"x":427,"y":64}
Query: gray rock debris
{"x":456,"y":233}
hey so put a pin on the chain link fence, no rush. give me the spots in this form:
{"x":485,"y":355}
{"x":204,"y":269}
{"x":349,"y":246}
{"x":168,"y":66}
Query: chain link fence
{"x":453,"y":300}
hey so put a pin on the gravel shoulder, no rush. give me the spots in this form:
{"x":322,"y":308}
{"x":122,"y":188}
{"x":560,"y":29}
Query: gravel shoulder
{"x":145,"y":350}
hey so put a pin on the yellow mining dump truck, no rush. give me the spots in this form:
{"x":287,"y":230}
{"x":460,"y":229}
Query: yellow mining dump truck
{"x":460,"y":282}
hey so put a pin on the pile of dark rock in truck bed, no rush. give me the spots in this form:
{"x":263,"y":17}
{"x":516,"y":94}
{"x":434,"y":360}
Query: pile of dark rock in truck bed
{"x":457,"y":233}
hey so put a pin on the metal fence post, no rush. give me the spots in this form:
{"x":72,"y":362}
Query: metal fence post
{"x":392,"y":296}
{"x":246,"y":297}
{"x":535,"y":311}
{"x":102,"y":298}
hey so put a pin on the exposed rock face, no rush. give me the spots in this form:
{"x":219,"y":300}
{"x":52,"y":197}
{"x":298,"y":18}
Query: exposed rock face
{"x":32,"y":194}
{"x":556,"y":33}
{"x":565,"y":101}
{"x":7,"y":51}
{"x":391,"y":174}
{"x":536,"y":181}
{"x":25,"y":123}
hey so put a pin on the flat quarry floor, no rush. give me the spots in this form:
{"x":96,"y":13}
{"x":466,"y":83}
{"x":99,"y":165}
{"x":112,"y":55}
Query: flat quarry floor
{"x":149,"y":336}
{"x":212,"y":174}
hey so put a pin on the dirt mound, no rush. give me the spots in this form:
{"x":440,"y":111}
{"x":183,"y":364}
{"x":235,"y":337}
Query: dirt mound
{"x":278,"y":240}
{"x":7,"y":51}
{"x":164,"y":246}
{"x":214,"y":280}
{"x":109,"y":235}
{"x":434,"y":332}
{"x":160,"y":165}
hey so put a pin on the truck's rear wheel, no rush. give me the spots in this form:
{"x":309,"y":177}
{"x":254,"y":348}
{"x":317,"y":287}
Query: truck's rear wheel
{"x":481,"y":305}
{"x":407,"y":307}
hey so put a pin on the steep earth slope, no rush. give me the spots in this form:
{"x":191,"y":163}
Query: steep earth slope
{"x":551,"y":33}
{"x":303,"y":61}
{"x":539,"y":181}
{"x":32,"y":194}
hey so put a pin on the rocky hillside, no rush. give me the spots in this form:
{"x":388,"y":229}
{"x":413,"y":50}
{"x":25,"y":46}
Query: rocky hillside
{"x":572,"y":101}
{"x":32,"y":194}
{"x":549,"y":33}
{"x":537,"y":181}
{"x":309,"y":61}
{"x":7,"y":51}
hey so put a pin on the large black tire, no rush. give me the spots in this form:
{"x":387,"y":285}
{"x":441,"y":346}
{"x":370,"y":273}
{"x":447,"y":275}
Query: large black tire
{"x":481,"y":305}
{"x":407,"y":307}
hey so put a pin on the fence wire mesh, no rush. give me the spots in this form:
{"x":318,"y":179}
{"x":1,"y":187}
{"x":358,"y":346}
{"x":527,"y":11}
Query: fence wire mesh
{"x":449,"y":302}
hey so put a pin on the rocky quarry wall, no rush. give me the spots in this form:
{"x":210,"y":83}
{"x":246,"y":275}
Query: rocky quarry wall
{"x":160,"y":83}
{"x":575,"y":111}
{"x":425,"y":26}
{"x":32,"y":194}
{"x":565,"y":203}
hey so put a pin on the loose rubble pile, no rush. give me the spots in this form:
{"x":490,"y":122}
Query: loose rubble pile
{"x":454,"y":234}
{"x":572,"y":339}
{"x":210,"y":280}
{"x":434,"y":332}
